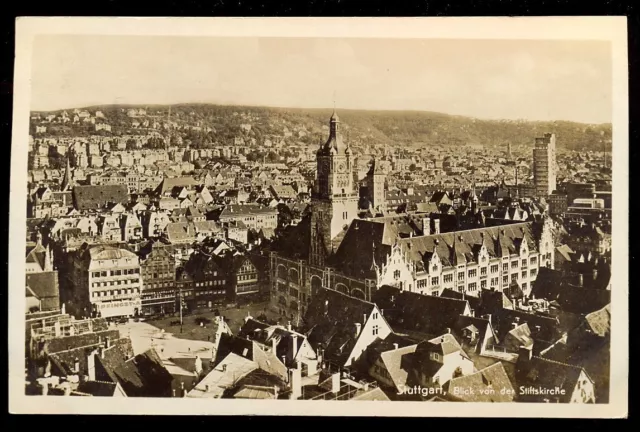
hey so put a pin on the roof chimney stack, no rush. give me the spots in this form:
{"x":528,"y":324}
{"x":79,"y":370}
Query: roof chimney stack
{"x":395,"y":345}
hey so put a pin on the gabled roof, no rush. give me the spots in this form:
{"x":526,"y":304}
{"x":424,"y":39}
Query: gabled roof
{"x":486,"y":385}
{"x":412,"y":312}
{"x":392,"y":361}
{"x":552,"y":285}
{"x":544,"y":373}
{"x":330,"y":323}
{"x":97,"y":196}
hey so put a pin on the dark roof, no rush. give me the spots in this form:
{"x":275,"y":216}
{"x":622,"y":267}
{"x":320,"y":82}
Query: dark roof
{"x":98,"y":196}
{"x":474,"y":302}
{"x":44,"y":285}
{"x":144,"y":376}
{"x":544,"y":373}
{"x":97,"y":388}
{"x":233,"y":344}
{"x":407,"y":311}
{"x":330,"y":323}
{"x":553,"y":286}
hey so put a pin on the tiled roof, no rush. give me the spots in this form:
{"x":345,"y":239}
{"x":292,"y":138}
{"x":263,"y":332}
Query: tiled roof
{"x":225,"y":374}
{"x":96,"y":197}
{"x":97,"y":388}
{"x":486,"y":385}
{"x":544,"y":373}
{"x":144,"y":376}
{"x":330,"y":323}
{"x":599,"y":322}
{"x":407,"y":311}
{"x":552,"y":285}
{"x":393,"y":363}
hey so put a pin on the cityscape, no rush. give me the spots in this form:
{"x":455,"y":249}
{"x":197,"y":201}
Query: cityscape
{"x":221,"y":251}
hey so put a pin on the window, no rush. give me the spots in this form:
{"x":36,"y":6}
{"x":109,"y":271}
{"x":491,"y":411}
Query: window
{"x":483,"y":284}
{"x":514,"y":277}
{"x":375,"y":315}
{"x":505,"y":267}
{"x":422,"y":283}
{"x":505,"y":280}
{"x":524,"y":275}
{"x":375,"y":330}
{"x":435,"y":280}
{"x":524,"y":286}
{"x":473,"y":286}
{"x":494,"y":268}
{"x":473,"y":273}
{"x":532,"y":260}
{"x":103,"y":274}
{"x":533,"y":272}
{"x":514,"y":264}
{"x":447,"y":278}
{"x":483,"y":271}
{"x":494,"y":281}
{"x":396,"y":274}
{"x":524,"y":263}
{"x":460,"y":276}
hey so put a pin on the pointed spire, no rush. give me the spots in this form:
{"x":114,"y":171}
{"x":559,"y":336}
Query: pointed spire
{"x":66,"y":181}
{"x":47,"y":259}
{"x":374,"y":265}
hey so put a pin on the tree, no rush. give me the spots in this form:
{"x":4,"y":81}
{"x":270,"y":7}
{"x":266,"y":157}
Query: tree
{"x":413,"y":167}
{"x":132,"y":144}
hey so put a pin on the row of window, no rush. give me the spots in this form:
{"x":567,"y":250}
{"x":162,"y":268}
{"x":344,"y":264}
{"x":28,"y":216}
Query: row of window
{"x":115,"y":272}
{"x":211,"y":292}
{"x":155,"y":285}
{"x":211,"y":283}
{"x":110,"y":293}
{"x":422,"y":283}
{"x":115,"y":283}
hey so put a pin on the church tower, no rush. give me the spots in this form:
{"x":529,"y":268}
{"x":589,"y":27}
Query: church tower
{"x":375,"y":187}
{"x":335,"y":199}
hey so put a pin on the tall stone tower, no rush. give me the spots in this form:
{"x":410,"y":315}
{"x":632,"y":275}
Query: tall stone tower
{"x":544,"y":165}
{"x":335,"y":199}
{"x":375,"y":187}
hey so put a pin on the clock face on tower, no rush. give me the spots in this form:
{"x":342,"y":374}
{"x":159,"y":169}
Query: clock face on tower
{"x":341,"y":167}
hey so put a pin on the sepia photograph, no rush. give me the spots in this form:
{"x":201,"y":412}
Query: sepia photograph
{"x":252,"y":212}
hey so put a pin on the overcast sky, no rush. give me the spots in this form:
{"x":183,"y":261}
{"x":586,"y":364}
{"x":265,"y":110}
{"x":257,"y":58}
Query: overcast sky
{"x":524,"y":79}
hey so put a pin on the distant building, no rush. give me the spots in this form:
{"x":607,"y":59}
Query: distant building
{"x":544,"y":165}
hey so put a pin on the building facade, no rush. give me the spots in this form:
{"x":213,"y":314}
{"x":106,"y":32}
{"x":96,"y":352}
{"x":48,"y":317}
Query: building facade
{"x":544,"y":165}
{"x":335,"y":198}
{"x":159,"y":280}
{"x":106,"y":281}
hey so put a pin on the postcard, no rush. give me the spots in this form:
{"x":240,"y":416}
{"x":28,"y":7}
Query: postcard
{"x":320,"y":216}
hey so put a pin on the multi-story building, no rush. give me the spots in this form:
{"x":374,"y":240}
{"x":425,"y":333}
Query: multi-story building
{"x":375,"y":181}
{"x":158,"y":269}
{"x":251,"y":215}
{"x":335,"y":199}
{"x":558,"y":203}
{"x":207,"y":281}
{"x":105,"y":281}
{"x":544,"y":165}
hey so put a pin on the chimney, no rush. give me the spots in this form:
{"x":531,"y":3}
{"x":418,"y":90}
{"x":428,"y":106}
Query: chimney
{"x":382,"y":312}
{"x":67,"y":390}
{"x":275,"y":392}
{"x":335,"y":382}
{"x":580,"y":280}
{"x":289,"y":325}
{"x":358,"y":329}
{"x":294,"y":346}
{"x":45,"y":388}
{"x":525,"y":353}
{"x":274,"y":344}
{"x":91,"y":366}
{"x":514,"y":324}
{"x":436,"y":226}
{"x":395,"y":345}
{"x":295,"y":383}
{"x":108,"y":342}
{"x":426,"y":225}
{"x":364,"y":320}
{"x":448,"y":330}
